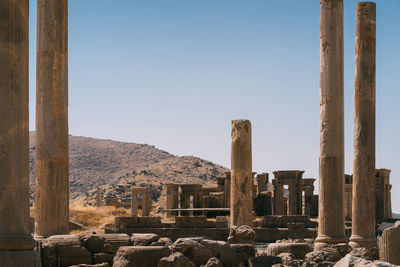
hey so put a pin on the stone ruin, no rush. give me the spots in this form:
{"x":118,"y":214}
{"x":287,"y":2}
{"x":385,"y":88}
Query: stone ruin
{"x":273,"y":215}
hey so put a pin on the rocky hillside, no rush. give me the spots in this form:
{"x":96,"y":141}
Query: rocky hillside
{"x":97,"y":162}
{"x":186,"y":169}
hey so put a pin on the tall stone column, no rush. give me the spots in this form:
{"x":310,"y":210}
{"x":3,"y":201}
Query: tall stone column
{"x":278,"y":197}
{"x":348,"y":201}
{"x":172,"y":199}
{"x":134,"y":202}
{"x":51,"y":164}
{"x":262,"y":180}
{"x":99,"y":198}
{"x":363,"y":214}
{"x":241,"y":174}
{"x":146,"y":203}
{"x":16,"y":242}
{"x":331,"y":155}
{"x":227,"y":189}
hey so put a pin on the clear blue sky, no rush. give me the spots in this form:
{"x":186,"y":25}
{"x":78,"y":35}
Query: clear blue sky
{"x":175,"y":73}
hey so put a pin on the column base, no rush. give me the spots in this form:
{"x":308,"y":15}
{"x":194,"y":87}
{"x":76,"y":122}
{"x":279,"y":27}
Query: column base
{"x":323,"y":241}
{"x":19,"y":258}
{"x":357,"y":241}
{"x":17,"y":243}
{"x":38,"y":238}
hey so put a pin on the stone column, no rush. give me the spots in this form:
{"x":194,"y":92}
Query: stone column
{"x":278,"y":197}
{"x":262,"y":180}
{"x":227,"y":189}
{"x":308,"y":188}
{"x":51,"y":162}
{"x":379,"y":196}
{"x":242,"y":176}
{"x":16,"y":243}
{"x":331,"y":155}
{"x":134,"y":202}
{"x":363,"y":214}
{"x":99,"y":198}
{"x":388,"y":203}
{"x":348,"y":200}
{"x":146,"y":203}
{"x":172,"y":199}
{"x":389,"y":245}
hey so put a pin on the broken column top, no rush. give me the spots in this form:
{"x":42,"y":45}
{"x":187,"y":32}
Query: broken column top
{"x":366,"y":11}
{"x":348,"y":179}
{"x":189,"y":187}
{"x":382,"y":172}
{"x":294,"y":174}
{"x":308,"y":181}
{"x":240,"y":127}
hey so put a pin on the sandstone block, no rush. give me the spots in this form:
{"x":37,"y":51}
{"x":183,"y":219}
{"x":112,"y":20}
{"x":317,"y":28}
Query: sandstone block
{"x":244,"y":252}
{"x":264,"y":260}
{"x":214,"y":262}
{"x":176,"y":259}
{"x":351,"y":260}
{"x":325,"y":257}
{"x":116,"y":241}
{"x":95,"y":243}
{"x":193,"y":249}
{"x":242,"y":235}
{"x":140,"y":256}
{"x":99,"y":258}
{"x":163,"y":241}
{"x":190,"y":221}
{"x":143,"y":239}
{"x":64,"y":249}
{"x":299,"y":250}
{"x":222,"y":250}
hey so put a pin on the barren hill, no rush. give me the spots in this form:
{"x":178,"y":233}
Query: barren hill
{"x":186,"y":169}
{"x":97,"y":162}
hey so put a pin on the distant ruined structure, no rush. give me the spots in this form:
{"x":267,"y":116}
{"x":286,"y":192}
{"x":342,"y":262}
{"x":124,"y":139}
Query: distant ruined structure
{"x":383,"y":202}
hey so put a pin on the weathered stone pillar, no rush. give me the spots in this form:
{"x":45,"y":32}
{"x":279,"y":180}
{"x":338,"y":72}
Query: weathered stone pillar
{"x":99,"y":198}
{"x":389,"y":245}
{"x":242,"y":176}
{"x":146,"y":203}
{"x":51,"y":163}
{"x":134,"y":202}
{"x":172,"y":199}
{"x":388,"y":208}
{"x":262,"y":180}
{"x":308,"y":188}
{"x":348,"y":196}
{"x":348,"y":201}
{"x":278,"y":197}
{"x":363,"y":214}
{"x":331,"y":155}
{"x":227,"y":189}
{"x":16,"y":242}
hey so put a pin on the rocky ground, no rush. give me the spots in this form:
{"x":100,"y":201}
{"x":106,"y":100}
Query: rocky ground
{"x":148,"y":249}
{"x":117,"y":165}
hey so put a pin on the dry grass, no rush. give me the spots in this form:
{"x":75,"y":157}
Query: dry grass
{"x":95,"y":219}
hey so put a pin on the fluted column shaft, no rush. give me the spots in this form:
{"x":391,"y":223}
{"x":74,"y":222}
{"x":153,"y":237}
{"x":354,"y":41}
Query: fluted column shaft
{"x":241,"y":174}
{"x":16,"y":242}
{"x":331,"y":155}
{"x":51,"y":164}
{"x":363,"y":212}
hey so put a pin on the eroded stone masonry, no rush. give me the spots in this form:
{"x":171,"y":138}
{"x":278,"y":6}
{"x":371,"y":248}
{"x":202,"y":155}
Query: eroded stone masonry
{"x":245,"y":219}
